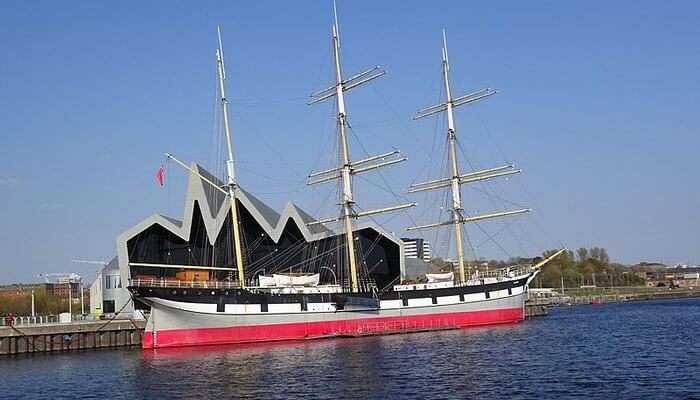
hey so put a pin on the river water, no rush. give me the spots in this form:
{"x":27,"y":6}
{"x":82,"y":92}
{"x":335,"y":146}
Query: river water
{"x":636,"y":350}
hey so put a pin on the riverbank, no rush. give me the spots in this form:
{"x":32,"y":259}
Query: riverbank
{"x":611,"y":295}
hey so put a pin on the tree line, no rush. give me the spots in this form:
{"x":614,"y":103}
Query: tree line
{"x":44,"y":303}
{"x":585,"y":266}
{"x":571,"y":269}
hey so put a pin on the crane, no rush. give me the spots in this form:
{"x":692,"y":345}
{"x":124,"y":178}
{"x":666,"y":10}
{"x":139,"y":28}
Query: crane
{"x":97,"y":262}
{"x":61,"y":277}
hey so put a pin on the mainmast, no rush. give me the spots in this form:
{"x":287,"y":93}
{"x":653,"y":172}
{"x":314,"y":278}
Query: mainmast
{"x":456,"y":179}
{"x":230,"y":169}
{"x":347,"y":168}
{"x":347,"y":199}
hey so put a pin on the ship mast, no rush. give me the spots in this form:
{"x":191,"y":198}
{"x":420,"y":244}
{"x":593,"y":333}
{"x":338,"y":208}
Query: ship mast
{"x":230,"y":169}
{"x":452,"y":143}
{"x":347,"y":199}
{"x":456,"y":179}
{"x":347,"y":168}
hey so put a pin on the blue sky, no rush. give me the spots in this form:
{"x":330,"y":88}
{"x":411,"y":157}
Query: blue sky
{"x":598,"y":105}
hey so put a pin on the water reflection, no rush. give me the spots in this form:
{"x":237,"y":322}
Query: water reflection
{"x":365,"y":367}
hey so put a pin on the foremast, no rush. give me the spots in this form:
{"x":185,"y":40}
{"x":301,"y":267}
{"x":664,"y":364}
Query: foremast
{"x":455,"y":180}
{"x":346,"y":168}
{"x":231,"y":185}
{"x":230,"y":167}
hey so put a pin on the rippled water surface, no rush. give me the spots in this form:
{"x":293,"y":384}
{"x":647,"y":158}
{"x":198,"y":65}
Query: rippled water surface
{"x":616,"y":351}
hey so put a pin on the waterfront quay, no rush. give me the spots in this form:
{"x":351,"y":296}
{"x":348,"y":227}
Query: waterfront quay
{"x":574,"y":296}
{"x":59,"y":337}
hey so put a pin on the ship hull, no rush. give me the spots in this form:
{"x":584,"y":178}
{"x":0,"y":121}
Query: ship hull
{"x":176,"y":324}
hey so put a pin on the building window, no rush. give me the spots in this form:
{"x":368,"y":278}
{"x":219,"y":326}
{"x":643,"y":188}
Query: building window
{"x":113,"y":282}
{"x":108,"y":306}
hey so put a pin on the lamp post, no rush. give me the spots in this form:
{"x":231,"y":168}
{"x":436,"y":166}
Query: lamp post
{"x":612,"y":281}
{"x":82,"y":300}
{"x":562,"y":285}
{"x":70,"y":300}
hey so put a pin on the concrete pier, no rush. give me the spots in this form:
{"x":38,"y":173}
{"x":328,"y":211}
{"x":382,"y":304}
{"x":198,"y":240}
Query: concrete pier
{"x":71,"y":336}
{"x":535,"y":310}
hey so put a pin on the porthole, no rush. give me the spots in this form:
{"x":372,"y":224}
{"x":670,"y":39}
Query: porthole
{"x":213,"y":293}
{"x":173,"y":292}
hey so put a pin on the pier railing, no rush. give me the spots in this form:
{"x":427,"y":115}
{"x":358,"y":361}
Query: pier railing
{"x":607,"y":295}
{"x":27,"y":320}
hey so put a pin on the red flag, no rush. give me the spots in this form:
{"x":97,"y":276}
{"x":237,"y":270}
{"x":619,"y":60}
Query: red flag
{"x":160,"y":175}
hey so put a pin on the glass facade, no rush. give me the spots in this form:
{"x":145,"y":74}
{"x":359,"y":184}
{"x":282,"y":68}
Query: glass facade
{"x":378,"y":257}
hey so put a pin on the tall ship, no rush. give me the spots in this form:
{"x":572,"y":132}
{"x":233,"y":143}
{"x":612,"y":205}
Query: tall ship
{"x":233,"y":270}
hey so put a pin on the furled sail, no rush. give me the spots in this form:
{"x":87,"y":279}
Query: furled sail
{"x":281,"y":280}
{"x":444,"y":277}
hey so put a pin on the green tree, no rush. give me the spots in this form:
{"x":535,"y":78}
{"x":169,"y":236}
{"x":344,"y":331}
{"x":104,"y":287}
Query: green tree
{"x":582,"y":254}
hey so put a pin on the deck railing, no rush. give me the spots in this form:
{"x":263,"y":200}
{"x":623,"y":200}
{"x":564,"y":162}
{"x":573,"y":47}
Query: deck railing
{"x":476,"y":278}
{"x":176,"y":283}
{"x":508,"y":272}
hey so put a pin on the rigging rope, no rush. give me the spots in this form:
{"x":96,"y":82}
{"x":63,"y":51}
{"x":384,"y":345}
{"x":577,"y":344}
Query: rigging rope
{"x":490,"y":196}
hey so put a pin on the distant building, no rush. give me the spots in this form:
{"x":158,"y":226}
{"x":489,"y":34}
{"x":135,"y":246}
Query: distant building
{"x":417,"y":248}
{"x":107,"y":293}
{"x":21,"y":289}
{"x":672,"y":277}
{"x":60,"y":290}
{"x":649,"y":265}
{"x":64,"y":290}
{"x":684,"y":266}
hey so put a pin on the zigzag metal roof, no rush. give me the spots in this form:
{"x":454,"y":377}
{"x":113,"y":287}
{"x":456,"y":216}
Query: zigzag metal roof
{"x":214,"y":209}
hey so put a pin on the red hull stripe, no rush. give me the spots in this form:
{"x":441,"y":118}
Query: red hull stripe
{"x":310,"y":330}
